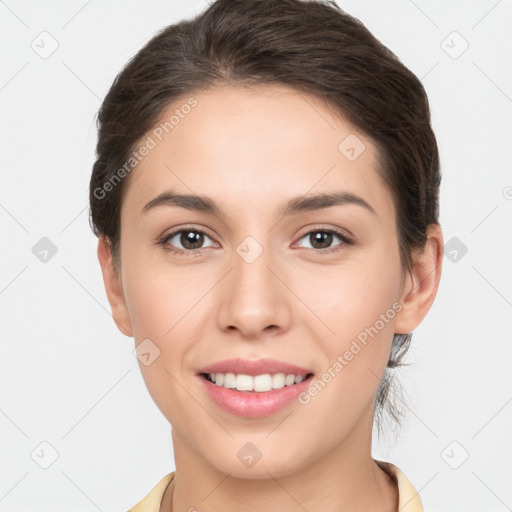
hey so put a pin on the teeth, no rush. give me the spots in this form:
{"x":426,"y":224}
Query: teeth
{"x":229,"y":380}
{"x":244,"y":383}
{"x":262,"y":382}
{"x":278,"y":381}
{"x":258,"y":383}
{"x":289,"y":380}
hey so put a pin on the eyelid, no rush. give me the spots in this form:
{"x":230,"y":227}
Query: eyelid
{"x":319,"y":227}
{"x":341,"y":232}
{"x":174,"y":231}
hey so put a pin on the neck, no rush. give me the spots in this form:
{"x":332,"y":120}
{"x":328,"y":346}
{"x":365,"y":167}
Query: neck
{"x":345,"y":479}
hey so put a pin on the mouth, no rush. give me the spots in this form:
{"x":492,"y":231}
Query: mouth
{"x":262,"y":383}
{"x":254,"y":388}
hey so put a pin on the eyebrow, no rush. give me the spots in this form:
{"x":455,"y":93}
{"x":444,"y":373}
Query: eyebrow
{"x":293,"y":206}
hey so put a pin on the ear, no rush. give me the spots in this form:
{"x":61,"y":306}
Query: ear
{"x":113,"y":287}
{"x":420,"y":286}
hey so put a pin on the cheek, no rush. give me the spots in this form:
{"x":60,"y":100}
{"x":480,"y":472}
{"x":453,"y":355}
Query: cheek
{"x":161,"y":299}
{"x":357,"y":354}
{"x":151,"y":305}
{"x":353,"y":295}
{"x":164,"y":308}
{"x":358,"y":302}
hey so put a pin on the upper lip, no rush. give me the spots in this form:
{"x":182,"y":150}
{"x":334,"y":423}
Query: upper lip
{"x":251,"y":367}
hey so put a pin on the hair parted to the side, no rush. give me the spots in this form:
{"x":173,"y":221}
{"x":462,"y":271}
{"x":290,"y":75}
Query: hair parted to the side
{"x":310,"y":45}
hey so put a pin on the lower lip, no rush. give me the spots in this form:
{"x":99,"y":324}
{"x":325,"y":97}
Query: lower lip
{"x":254,"y":404}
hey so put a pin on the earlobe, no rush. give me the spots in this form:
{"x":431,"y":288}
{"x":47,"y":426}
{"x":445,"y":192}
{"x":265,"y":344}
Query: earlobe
{"x":422,"y":282}
{"x":113,"y":288}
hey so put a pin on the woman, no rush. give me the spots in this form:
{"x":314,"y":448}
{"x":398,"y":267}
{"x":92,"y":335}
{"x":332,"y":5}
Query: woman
{"x":266,"y":199}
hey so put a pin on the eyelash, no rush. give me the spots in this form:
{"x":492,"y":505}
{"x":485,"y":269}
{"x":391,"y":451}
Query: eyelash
{"x":194,"y":252}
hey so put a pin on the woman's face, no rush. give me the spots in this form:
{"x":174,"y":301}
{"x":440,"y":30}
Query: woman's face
{"x":259,"y":269}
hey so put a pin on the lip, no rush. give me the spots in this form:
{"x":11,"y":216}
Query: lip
{"x":252,"y":368}
{"x":254,"y":404}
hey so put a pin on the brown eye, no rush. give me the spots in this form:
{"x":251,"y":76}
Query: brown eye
{"x":191,"y":239}
{"x":186,"y":240}
{"x":322,"y":240}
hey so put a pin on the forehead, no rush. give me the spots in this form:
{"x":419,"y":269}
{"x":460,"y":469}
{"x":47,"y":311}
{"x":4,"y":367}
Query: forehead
{"x":256,"y":143}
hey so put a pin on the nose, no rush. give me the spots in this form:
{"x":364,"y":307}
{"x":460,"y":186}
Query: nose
{"x":252,"y":298}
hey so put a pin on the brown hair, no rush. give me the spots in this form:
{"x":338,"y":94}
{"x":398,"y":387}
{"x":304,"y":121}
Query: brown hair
{"x":310,"y":45}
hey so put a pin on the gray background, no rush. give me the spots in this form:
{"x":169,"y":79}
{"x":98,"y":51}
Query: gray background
{"x":69,"y":379}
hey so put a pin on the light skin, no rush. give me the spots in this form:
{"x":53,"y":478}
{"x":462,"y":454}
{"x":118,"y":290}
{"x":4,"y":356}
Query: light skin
{"x":251,"y":150}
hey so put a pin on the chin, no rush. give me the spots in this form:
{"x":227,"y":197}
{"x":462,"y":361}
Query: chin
{"x":266,"y":466}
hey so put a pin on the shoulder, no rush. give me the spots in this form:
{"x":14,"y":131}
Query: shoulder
{"x":151,"y":503}
{"x":408,"y":497}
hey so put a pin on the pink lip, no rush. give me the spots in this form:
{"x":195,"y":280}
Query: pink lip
{"x":253,"y":404}
{"x":248,"y":367}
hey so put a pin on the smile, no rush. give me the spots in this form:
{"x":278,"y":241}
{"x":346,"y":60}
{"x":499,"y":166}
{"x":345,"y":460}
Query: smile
{"x":257,"y":383}
{"x":253,"y":388}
